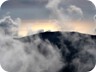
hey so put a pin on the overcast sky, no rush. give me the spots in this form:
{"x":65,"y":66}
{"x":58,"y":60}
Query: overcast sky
{"x":36,"y":9}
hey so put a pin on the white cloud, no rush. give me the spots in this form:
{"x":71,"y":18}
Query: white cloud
{"x":64,"y":15}
{"x":8,"y":26}
{"x":75,"y":11}
{"x":61,"y":18}
{"x":17,"y":56}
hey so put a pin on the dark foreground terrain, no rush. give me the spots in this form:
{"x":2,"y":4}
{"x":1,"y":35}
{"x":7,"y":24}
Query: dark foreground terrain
{"x":78,"y":50}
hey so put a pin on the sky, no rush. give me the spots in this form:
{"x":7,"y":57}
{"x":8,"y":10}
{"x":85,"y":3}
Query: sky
{"x":26,"y":17}
{"x":59,"y":15}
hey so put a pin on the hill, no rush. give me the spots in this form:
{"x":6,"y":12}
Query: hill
{"x":78,"y":50}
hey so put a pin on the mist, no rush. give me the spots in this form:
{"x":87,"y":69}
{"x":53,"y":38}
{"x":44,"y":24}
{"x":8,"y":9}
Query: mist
{"x":17,"y":56}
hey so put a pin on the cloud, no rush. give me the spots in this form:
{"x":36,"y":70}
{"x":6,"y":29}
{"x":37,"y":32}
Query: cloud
{"x":9,"y":26}
{"x":64,"y":15}
{"x":75,"y":12}
{"x":35,"y":9}
{"x":37,"y":55}
{"x":61,"y":18}
{"x":29,"y":57}
{"x":74,"y":9}
{"x":69,"y":13}
{"x":18,"y":56}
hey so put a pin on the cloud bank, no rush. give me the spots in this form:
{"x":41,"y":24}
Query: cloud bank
{"x":17,"y":56}
{"x":44,"y":56}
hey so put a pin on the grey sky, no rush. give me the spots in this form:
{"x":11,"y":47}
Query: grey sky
{"x":35,"y":9}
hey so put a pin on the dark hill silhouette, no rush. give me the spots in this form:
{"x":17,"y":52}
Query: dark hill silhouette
{"x":77,"y":49}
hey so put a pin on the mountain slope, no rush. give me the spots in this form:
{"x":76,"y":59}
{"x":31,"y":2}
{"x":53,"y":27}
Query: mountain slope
{"x":78,"y":50}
